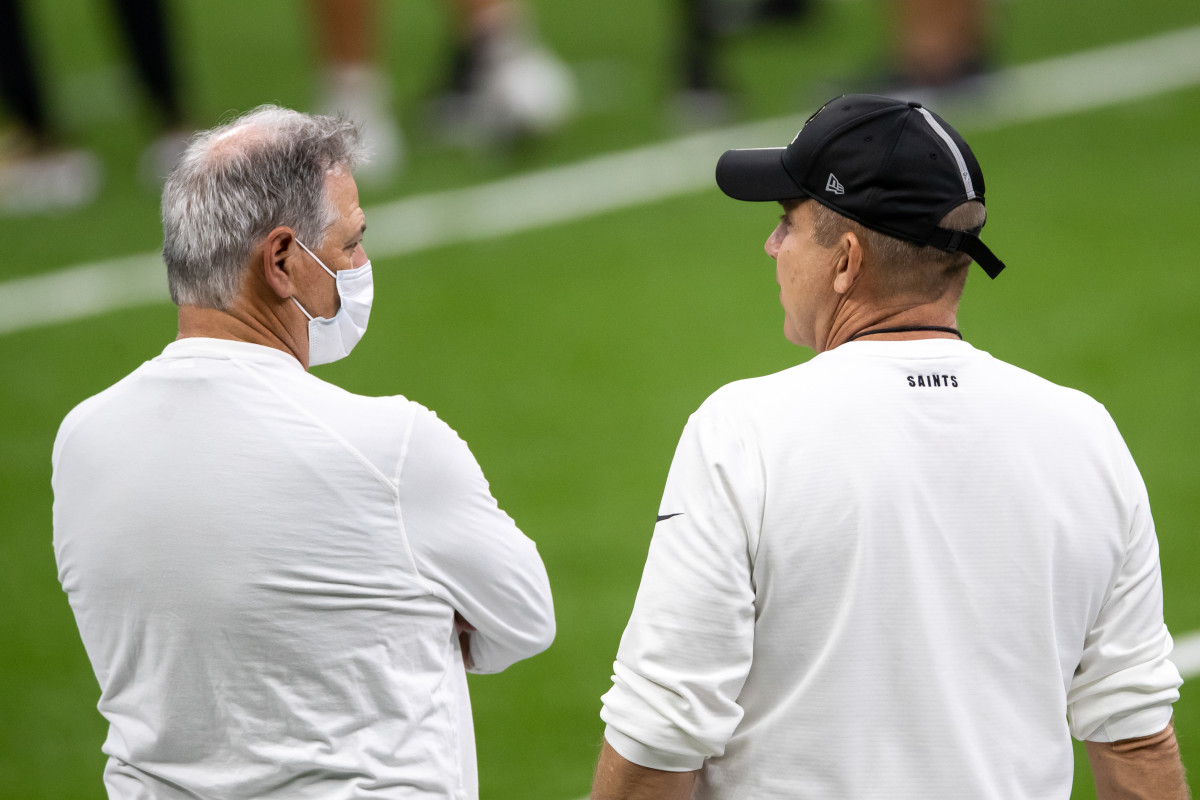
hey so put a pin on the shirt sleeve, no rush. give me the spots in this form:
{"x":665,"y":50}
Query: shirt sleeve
{"x":470,"y":551}
{"x":686,"y":651}
{"x":1125,"y":683}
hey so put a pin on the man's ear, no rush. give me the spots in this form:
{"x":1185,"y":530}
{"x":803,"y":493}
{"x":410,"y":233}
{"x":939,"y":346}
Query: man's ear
{"x":277,"y":261}
{"x":849,"y":266}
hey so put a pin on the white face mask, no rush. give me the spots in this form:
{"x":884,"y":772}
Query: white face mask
{"x":332,"y":338}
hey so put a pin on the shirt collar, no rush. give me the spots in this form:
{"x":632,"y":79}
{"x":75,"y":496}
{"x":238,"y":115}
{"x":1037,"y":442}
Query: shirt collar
{"x":912,"y":348}
{"x":201,"y":347}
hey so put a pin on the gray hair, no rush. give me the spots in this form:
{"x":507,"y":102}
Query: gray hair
{"x":239,"y":181}
{"x":906,"y":268}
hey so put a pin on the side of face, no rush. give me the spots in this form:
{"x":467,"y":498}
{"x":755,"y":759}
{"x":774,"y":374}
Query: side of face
{"x":805,"y":274}
{"x":341,"y":249}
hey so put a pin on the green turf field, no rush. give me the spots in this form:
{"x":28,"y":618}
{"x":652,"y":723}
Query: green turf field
{"x":570,"y":357}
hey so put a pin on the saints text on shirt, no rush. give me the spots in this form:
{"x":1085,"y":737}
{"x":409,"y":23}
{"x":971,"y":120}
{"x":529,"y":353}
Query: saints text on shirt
{"x":933,"y":381}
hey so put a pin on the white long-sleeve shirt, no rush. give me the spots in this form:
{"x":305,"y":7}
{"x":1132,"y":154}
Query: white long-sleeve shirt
{"x":265,"y":570}
{"x":900,"y":570}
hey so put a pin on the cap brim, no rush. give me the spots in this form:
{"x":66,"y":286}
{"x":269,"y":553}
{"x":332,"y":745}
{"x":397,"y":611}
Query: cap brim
{"x":756,"y":174}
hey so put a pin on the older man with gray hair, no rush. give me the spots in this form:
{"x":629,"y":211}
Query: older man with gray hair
{"x":278,"y":582}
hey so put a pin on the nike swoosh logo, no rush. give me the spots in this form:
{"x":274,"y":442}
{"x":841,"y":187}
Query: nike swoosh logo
{"x":661,"y":517}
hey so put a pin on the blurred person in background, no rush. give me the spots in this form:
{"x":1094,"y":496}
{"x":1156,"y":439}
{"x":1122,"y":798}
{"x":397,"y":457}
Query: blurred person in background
{"x":503,"y":83}
{"x":937,"y":46}
{"x":353,"y":84}
{"x":146,"y":28}
{"x":37,"y":171}
{"x":703,"y":95}
{"x":904,"y":568}
{"x":281,"y":585}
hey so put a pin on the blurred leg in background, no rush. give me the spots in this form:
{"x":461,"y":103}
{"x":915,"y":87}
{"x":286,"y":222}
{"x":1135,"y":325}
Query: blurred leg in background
{"x":940,"y":43}
{"x":37,"y":173}
{"x":704,"y":93}
{"x":504,"y":85}
{"x":938,"y":47}
{"x":146,"y":33}
{"x":352,"y":83}
{"x":18,"y":84}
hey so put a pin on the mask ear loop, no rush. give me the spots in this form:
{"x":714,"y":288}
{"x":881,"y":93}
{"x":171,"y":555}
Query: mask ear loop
{"x":332,"y":274}
{"x":302,"y":311}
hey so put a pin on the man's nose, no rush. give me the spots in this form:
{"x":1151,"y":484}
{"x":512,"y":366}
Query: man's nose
{"x":774,"y":240}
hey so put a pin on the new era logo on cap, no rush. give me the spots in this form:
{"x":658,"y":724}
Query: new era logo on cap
{"x":834,"y":185}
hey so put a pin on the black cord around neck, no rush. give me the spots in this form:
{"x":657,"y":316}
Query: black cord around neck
{"x":907,"y":329}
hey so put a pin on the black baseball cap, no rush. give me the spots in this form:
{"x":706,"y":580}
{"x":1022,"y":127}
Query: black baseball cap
{"x":891,"y":165}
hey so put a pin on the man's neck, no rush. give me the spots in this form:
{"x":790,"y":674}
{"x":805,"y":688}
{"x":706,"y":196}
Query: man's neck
{"x":211,"y":323}
{"x":902,"y":323}
{"x":909,"y":331}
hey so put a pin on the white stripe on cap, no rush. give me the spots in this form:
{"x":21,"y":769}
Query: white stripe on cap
{"x":958,"y":156}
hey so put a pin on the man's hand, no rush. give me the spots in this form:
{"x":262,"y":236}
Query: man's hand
{"x":620,"y":779}
{"x":1145,"y":768}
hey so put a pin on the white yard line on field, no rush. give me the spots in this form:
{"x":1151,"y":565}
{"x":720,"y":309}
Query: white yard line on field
{"x":81,"y":291}
{"x":1055,"y":87}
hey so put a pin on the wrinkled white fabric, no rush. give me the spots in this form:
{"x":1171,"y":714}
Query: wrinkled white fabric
{"x":895,"y":571}
{"x":265,"y":570}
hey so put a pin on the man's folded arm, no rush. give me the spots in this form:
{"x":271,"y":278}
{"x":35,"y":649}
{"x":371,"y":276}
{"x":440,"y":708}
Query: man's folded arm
{"x":471,"y":552}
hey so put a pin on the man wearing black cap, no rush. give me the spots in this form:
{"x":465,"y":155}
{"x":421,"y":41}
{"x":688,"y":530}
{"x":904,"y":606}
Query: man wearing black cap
{"x":903,"y":569}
